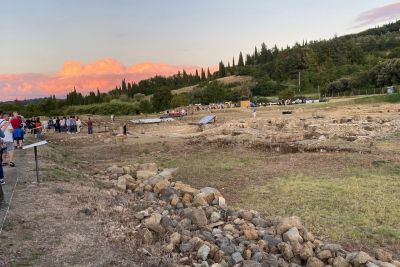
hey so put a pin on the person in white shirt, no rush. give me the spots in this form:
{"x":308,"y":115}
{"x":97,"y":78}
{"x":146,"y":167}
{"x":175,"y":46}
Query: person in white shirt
{"x":62,"y":124}
{"x":8,"y":141}
{"x":78,"y":124}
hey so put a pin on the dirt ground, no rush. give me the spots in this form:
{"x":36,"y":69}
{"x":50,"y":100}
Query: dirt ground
{"x":330,"y":164}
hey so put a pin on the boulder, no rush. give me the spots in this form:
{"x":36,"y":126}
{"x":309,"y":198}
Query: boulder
{"x":144,"y":174}
{"x":286,"y":223}
{"x":340,"y":262}
{"x":306,"y":251}
{"x":184,"y":188}
{"x":162,"y":184}
{"x":121,"y":183}
{"x":198,"y":217}
{"x":314,"y":262}
{"x":148,"y":238}
{"x":358,"y":258}
{"x":200,"y":200}
{"x":324,"y":254}
{"x":168,"y":173}
{"x":237,"y":257}
{"x":154,"y":223}
{"x":292,"y":235}
{"x":174,"y":200}
{"x":246,"y":215}
{"x":215,"y":217}
{"x":286,"y":251}
{"x":382,"y":255}
{"x":250,"y":233}
{"x":203,"y":252}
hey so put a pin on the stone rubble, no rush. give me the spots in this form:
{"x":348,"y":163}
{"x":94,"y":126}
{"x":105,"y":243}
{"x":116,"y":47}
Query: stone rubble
{"x":197,"y":228}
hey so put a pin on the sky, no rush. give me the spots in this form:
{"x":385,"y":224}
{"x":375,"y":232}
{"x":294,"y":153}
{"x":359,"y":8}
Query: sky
{"x":48,"y":47}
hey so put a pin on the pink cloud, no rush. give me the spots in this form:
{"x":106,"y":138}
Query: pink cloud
{"x":380,"y":14}
{"x":103,"y":74}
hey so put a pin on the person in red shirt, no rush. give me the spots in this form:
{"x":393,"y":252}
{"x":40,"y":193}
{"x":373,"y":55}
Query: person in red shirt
{"x":18,"y":135}
{"x":90,"y":126}
{"x":39,"y":128}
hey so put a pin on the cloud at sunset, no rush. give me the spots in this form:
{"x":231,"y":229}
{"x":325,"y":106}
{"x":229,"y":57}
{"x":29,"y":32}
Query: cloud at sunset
{"x":103,"y":74}
{"x":381,"y":14}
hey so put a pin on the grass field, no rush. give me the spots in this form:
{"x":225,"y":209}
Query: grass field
{"x":357,"y":206}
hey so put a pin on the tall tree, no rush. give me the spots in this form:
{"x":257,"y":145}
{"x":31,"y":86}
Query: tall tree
{"x":255,"y":56}
{"x":240,"y":61}
{"x":203,"y":75}
{"x":209,"y":75}
{"x":263,"y":54}
{"x":221,"y":70}
{"x":197,"y":77}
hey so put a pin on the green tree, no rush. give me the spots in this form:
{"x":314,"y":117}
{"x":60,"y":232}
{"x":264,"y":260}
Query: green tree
{"x":240,"y":61}
{"x":161,"y":99}
{"x":180,"y":100}
{"x":203,"y":75}
{"x":221,"y":69}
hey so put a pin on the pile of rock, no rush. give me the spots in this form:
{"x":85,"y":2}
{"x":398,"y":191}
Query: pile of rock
{"x":197,"y":228}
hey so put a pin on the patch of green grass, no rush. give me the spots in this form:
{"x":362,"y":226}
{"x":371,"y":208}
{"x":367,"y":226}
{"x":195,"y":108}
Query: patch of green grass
{"x":361,"y":207}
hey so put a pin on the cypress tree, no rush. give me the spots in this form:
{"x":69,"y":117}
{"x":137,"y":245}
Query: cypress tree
{"x":240,"y":61}
{"x":209,"y":76}
{"x":203,"y":75}
{"x":221,"y":71}
{"x":255,"y":56}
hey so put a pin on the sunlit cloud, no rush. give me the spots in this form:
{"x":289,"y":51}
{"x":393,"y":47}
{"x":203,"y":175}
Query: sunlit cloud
{"x":381,"y":14}
{"x":103,"y":74}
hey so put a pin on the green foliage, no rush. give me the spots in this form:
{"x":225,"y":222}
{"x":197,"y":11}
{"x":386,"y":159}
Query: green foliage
{"x":286,"y":94}
{"x":161,"y":99}
{"x":116,"y":107}
{"x":145,"y":106}
{"x":180,"y":100}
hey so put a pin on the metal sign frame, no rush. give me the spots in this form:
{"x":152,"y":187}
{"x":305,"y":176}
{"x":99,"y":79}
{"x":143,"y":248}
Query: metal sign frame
{"x":34,"y":146}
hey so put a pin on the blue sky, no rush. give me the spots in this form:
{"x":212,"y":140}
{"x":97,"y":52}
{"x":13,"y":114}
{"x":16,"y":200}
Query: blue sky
{"x":39,"y":36}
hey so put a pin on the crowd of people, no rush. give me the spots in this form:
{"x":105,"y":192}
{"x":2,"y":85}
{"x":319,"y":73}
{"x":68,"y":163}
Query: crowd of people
{"x":13,"y":128}
{"x":11,"y":137}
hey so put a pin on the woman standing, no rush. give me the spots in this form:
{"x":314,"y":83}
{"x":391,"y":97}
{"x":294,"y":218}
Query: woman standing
{"x":78,"y":124}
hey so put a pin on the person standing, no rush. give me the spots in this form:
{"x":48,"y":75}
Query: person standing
{"x":8,"y":142}
{"x":2,"y":182}
{"x":90,"y":126}
{"x":78,"y":124}
{"x":68,"y":124}
{"x":254,"y":113}
{"x":39,"y":129}
{"x":16,"y":123}
{"x":57,"y":125}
